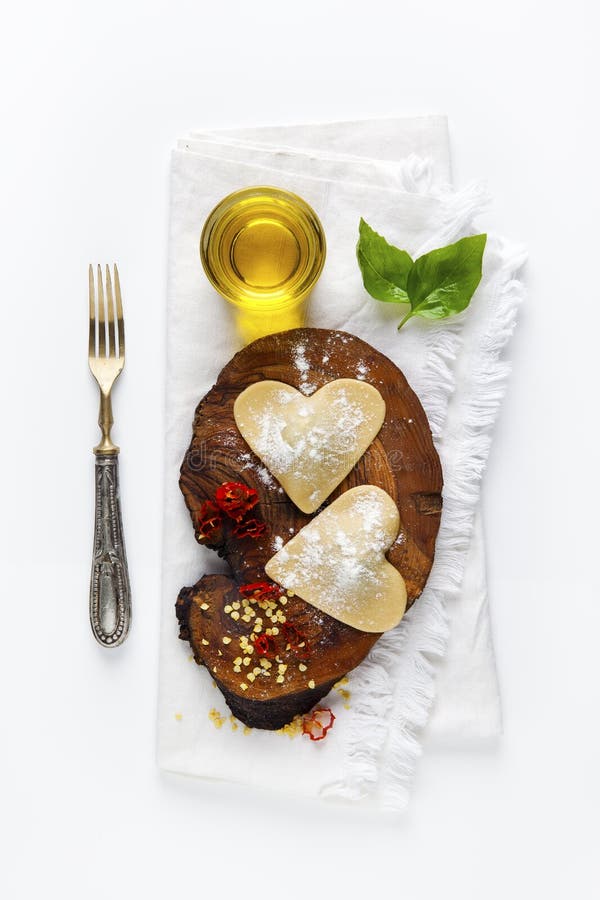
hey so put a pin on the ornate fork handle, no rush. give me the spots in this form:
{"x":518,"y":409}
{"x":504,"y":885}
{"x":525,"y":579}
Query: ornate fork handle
{"x":110,"y":598}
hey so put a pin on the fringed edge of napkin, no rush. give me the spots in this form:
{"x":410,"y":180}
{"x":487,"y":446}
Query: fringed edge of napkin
{"x":394,"y":688}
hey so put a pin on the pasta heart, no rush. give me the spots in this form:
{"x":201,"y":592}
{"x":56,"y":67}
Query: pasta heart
{"x":309,"y":443}
{"x":337,"y":562}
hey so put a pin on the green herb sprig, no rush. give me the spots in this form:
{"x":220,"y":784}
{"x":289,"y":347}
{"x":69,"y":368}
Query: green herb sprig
{"x":436,"y":285}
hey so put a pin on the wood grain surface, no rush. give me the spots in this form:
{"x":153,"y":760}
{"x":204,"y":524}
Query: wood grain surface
{"x":402,"y":460}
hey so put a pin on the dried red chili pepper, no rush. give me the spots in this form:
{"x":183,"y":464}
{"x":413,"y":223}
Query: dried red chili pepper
{"x":317,"y":723}
{"x":209,"y":522}
{"x":261,"y":590}
{"x":251,"y":528}
{"x":235,"y":499}
{"x":265,"y":645}
{"x":293,"y":635}
{"x":296,"y":639}
{"x":209,"y":531}
{"x":207,"y":509}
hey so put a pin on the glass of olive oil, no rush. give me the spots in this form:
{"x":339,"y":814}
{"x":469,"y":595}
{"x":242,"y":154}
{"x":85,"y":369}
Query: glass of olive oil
{"x":263,"y":249}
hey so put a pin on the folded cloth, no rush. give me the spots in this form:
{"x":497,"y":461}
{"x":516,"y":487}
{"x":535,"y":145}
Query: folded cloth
{"x":396,"y":174}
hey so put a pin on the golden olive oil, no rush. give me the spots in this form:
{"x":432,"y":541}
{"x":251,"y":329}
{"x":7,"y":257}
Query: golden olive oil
{"x":263,"y":249}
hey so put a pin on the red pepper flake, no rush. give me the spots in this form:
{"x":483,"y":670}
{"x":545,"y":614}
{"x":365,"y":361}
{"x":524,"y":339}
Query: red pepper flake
{"x":296,"y":639}
{"x":209,"y":522}
{"x":261,"y":590}
{"x":265,"y":645}
{"x":251,"y":528}
{"x":207,"y":509}
{"x":293,"y":635}
{"x":235,"y":499}
{"x":317,"y":723}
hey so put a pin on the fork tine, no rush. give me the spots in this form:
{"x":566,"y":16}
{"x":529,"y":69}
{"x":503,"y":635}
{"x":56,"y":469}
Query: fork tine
{"x":120,"y":321}
{"x":110,"y":308}
{"x":92,"y":334}
{"x":101,"y":319}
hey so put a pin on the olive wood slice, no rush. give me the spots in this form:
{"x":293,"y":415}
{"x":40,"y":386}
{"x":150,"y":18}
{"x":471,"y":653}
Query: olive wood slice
{"x":402,"y":460}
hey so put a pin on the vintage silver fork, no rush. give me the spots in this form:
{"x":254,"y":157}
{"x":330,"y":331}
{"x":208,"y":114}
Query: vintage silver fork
{"x":110,"y":598}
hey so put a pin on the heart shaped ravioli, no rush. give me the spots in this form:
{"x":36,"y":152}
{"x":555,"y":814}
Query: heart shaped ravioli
{"x":337,"y":562}
{"x":309,"y":443}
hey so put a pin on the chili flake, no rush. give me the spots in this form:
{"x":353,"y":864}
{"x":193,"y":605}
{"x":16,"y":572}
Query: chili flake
{"x":317,"y":723}
{"x":260,"y":590}
{"x":235,"y":499}
{"x":296,"y":639}
{"x":265,"y":646}
{"x":209,"y":522}
{"x":251,"y":528}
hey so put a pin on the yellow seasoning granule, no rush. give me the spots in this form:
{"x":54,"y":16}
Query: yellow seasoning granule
{"x":216,"y":718}
{"x":293,"y":728}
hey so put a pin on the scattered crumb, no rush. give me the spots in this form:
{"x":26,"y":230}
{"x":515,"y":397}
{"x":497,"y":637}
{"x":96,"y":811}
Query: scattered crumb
{"x":293,"y":728}
{"x":216,"y":718}
{"x":342,"y":691}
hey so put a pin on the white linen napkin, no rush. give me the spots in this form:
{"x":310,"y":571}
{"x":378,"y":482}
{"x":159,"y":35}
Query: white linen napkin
{"x":396,"y":174}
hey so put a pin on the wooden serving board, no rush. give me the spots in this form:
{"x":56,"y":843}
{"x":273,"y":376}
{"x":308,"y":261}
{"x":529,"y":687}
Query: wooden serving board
{"x":402,"y":460}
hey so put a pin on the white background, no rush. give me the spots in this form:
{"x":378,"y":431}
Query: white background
{"x":92,"y":99}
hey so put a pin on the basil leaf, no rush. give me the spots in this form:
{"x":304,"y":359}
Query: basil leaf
{"x":442,"y":282}
{"x":384,"y":268}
